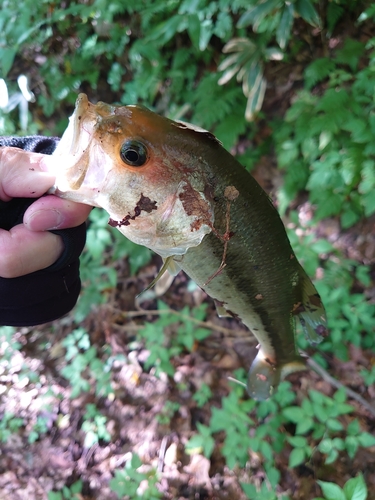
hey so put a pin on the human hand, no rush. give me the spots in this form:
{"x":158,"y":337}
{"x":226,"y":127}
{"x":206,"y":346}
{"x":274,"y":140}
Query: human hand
{"x":29,"y":247}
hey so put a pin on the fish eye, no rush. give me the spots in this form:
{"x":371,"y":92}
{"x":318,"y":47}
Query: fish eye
{"x":133,"y":153}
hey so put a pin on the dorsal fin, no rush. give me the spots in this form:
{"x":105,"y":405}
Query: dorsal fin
{"x":195,"y":128}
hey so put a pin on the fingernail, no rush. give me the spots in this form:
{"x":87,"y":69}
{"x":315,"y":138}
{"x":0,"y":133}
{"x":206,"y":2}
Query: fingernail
{"x":44,"y":220}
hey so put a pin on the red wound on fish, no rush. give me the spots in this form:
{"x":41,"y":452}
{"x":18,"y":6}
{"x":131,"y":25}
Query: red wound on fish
{"x":194,"y":204}
{"x":144,"y":204}
{"x":230,"y":194}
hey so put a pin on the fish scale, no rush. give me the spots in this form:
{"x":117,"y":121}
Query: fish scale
{"x":172,"y":187}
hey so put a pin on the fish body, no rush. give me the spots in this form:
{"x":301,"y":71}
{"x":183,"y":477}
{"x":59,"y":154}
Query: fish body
{"x":172,"y":187}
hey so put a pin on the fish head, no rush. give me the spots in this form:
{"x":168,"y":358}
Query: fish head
{"x":145,"y":170}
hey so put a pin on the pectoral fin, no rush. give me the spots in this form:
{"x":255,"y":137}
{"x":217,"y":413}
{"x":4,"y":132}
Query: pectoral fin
{"x":168,"y":265}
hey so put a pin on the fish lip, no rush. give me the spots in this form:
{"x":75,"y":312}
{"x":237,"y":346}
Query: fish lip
{"x":82,"y":107}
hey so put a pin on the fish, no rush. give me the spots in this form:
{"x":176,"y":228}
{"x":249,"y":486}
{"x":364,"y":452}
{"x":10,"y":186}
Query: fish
{"x":172,"y":187}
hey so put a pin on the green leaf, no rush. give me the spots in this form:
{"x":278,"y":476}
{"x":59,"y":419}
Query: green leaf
{"x":285,"y":25}
{"x":256,"y":14}
{"x":334,"y":425}
{"x":355,"y":488}
{"x":351,"y":53}
{"x":294,"y":413}
{"x":304,"y":425}
{"x":250,"y":491}
{"x":297,"y":441}
{"x":206,"y":33}
{"x":306,"y":10}
{"x":7,"y":55}
{"x":366,"y":439}
{"x":55,"y":495}
{"x":194,"y":29}
{"x":368,"y":201}
{"x":332,"y":491}
{"x":297,"y":456}
{"x":317,"y":71}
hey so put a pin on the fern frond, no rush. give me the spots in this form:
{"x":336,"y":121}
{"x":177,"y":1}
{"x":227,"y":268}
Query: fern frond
{"x":334,"y":13}
{"x":318,"y":71}
{"x":212,"y":103}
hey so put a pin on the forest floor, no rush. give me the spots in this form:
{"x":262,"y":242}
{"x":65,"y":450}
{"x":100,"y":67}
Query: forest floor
{"x":148,"y":415}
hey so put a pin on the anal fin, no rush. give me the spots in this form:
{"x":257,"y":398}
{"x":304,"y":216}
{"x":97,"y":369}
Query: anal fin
{"x":311,"y":312}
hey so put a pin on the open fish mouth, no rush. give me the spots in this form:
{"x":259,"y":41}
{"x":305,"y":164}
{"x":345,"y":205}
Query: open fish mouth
{"x":71,"y":143}
{"x":72,"y":152}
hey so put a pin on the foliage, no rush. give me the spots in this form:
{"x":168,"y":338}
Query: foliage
{"x":83,"y":364}
{"x":260,"y":427}
{"x":126,"y":483}
{"x":71,"y":493}
{"x":354,"y":489}
{"x":9,"y":424}
{"x":325,"y":143}
{"x":164,"y":347}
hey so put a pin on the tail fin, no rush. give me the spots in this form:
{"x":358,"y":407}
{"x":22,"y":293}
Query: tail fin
{"x":264,"y":376}
{"x":311,"y":312}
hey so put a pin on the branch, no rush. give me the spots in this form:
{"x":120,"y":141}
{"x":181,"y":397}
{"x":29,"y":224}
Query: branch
{"x":204,"y":324}
{"x":326,"y":376}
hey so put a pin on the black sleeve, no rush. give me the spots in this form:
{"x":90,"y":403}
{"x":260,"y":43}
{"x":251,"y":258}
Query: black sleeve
{"x":48,"y":294}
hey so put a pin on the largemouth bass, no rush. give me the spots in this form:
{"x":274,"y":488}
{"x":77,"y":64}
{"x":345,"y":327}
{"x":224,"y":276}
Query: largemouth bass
{"x":172,"y":187}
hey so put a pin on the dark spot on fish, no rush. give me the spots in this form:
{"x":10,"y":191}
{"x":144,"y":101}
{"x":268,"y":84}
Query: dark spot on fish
{"x":234,"y":315}
{"x":144,"y":204}
{"x":137,"y":211}
{"x":259,"y":296}
{"x":195,"y":205}
{"x":298,"y":308}
{"x":321,"y":330}
{"x":315,"y":300}
{"x":113,"y":223}
{"x":311,"y":309}
{"x":32,"y":169}
{"x":80,"y":117}
{"x":255,"y":329}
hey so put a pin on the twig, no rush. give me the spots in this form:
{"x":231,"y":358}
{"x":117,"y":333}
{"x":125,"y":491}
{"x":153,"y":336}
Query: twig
{"x":326,"y":376}
{"x":163,"y":449}
{"x":238,"y":382}
{"x":158,"y":312}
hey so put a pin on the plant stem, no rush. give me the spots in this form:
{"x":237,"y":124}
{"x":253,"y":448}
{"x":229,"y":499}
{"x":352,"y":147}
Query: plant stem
{"x":352,"y":394}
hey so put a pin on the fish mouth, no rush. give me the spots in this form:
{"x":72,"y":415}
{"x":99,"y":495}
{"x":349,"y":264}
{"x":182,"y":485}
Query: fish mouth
{"x":78,"y":118}
{"x":73,"y":148}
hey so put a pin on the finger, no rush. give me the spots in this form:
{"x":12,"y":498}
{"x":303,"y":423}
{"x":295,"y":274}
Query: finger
{"x":51,"y":212}
{"x":23,"y":251}
{"x":23,"y":174}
